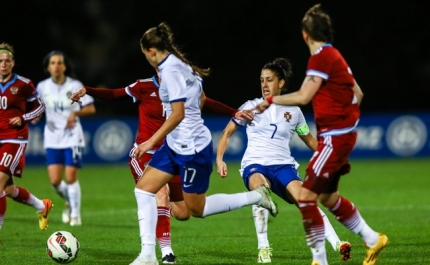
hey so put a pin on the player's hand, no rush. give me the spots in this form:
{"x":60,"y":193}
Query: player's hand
{"x":262,"y":106}
{"x":15,"y":121}
{"x":244,"y":114}
{"x":221,"y":168}
{"x":75,"y":97}
{"x":142,"y":149}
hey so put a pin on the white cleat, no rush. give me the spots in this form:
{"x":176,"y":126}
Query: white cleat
{"x":267,"y":201}
{"x":75,"y":221}
{"x":144,"y":260}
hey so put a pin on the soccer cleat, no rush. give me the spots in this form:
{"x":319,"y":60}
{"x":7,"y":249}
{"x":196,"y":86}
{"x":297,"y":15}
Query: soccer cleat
{"x":75,"y":221}
{"x":142,"y":260}
{"x":267,"y":201}
{"x":169,"y":259}
{"x":264,"y":255}
{"x":43,"y":216}
{"x":344,"y":248}
{"x":65,"y":216}
{"x":315,"y":263}
{"x":373,"y":252}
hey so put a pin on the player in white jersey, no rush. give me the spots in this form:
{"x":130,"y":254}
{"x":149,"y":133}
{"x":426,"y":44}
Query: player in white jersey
{"x":267,"y":158}
{"x":187,"y":150}
{"x":63,"y":135}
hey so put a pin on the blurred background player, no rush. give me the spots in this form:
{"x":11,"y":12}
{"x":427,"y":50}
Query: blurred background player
{"x":335,"y":97}
{"x":267,"y":158}
{"x":187,"y":150}
{"x":63,"y":135}
{"x":151,"y":117}
{"x":19,"y":104}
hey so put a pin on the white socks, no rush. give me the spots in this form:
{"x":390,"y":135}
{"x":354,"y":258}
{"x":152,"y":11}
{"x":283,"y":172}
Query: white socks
{"x":261,"y":216}
{"x":329,"y":232}
{"x":74,"y":194}
{"x":147,"y":215}
{"x":62,"y":190}
{"x":220,"y":203}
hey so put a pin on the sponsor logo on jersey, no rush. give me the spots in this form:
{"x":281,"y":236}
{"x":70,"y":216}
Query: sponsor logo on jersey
{"x":13,"y":90}
{"x":153,"y":94}
{"x":287,"y":116}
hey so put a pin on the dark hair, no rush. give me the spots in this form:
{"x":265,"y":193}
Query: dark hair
{"x":7,"y":47}
{"x":282,"y":69}
{"x":318,"y":24}
{"x":161,"y":38}
{"x":69,"y":67}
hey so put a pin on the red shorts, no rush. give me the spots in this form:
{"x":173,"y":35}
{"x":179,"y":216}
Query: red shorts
{"x":12,"y":158}
{"x":137,"y":168}
{"x":329,"y":162}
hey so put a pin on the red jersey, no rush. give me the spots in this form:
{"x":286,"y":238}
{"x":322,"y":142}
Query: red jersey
{"x":334,"y":104}
{"x":151,"y":112}
{"x":14,"y":96}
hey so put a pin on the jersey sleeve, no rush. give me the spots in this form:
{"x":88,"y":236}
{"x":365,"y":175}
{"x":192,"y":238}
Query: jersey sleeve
{"x":31,"y":92}
{"x":302,"y":127}
{"x":319,"y":65}
{"x":175,"y":83}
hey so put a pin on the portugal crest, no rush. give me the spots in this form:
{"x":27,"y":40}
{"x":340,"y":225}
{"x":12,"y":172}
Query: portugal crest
{"x":69,"y":94}
{"x":287,"y":116}
{"x":13,"y":90}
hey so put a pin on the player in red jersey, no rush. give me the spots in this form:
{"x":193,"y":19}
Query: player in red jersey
{"x":151,"y":117}
{"x":19,"y":104}
{"x":336,"y":97}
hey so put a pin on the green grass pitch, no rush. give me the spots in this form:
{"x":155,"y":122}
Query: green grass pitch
{"x":392,"y":195}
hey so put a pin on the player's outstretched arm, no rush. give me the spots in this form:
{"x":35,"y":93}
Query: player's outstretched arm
{"x":100,"y":93}
{"x":222,"y":147}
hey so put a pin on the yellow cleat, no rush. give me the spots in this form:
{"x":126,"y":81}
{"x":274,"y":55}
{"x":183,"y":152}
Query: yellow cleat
{"x":373,"y":252}
{"x":43,"y":216}
{"x":315,"y":263}
{"x":264,"y":255}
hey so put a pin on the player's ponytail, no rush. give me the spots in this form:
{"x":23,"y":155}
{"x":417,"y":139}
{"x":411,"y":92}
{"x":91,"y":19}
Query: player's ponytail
{"x":161,"y":38}
{"x":317,"y":24}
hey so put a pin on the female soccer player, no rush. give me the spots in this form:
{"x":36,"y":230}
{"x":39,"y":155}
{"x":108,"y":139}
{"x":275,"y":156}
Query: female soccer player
{"x":19,"y":104}
{"x":63,"y":135}
{"x":151,"y":118}
{"x":267,"y":158}
{"x":335,"y":97}
{"x":187,"y":149}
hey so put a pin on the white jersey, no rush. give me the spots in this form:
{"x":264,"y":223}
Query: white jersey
{"x":58,"y":109}
{"x":269,"y":134}
{"x":180,"y":83}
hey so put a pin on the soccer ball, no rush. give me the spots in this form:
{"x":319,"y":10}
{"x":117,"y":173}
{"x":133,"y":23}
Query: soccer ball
{"x":62,"y":247}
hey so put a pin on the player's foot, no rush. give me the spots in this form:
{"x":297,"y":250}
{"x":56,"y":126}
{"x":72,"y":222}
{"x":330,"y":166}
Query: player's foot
{"x":65,"y":216}
{"x":344,"y":249}
{"x":373,"y":252}
{"x":75,"y":221}
{"x":169,"y":259}
{"x":264,"y":255}
{"x":43,"y":216}
{"x":144,"y":260}
{"x":267,"y":201}
{"x":315,"y":263}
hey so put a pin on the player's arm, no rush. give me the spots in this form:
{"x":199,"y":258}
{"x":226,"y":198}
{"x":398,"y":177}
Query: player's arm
{"x":358,"y":93}
{"x":306,"y":136}
{"x":303,"y":96}
{"x":100,"y":93}
{"x":222,"y":147}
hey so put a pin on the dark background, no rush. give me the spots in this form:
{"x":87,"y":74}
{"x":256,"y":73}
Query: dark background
{"x":384,"y":42}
